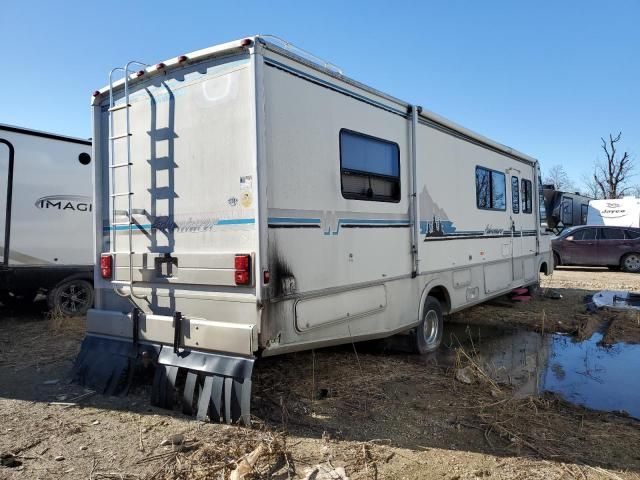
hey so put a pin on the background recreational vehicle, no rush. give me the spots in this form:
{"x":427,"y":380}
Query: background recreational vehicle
{"x":46,"y":195}
{"x":616,"y":212}
{"x":564,"y":209}
{"x":253,"y":201}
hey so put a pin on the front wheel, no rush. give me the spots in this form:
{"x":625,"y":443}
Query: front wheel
{"x":71,"y":297}
{"x":631,"y":263}
{"x":429,"y":332}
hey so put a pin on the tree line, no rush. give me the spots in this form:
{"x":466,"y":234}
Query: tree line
{"x":611,"y":177}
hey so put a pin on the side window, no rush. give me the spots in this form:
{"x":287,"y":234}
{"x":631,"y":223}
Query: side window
{"x":567,"y":211}
{"x":491,"y":189}
{"x":585,"y":234}
{"x":369,"y":168}
{"x":515,"y":195}
{"x":527,"y":198}
{"x":611,"y":234}
{"x":584,"y":209}
{"x":631,"y":234}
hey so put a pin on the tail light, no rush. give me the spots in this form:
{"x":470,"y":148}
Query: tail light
{"x":106,"y":266}
{"x":243,"y":269}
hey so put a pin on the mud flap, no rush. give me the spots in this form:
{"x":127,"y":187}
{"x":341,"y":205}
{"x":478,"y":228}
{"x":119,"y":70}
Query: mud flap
{"x":215,"y":385}
{"x":106,"y":365}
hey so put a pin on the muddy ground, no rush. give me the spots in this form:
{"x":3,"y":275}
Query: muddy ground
{"x":367,"y":411}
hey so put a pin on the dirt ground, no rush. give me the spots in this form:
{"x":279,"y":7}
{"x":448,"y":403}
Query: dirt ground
{"x":359,"y":411}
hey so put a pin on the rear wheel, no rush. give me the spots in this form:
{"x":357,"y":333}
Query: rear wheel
{"x":631,"y":263}
{"x":71,"y":297}
{"x":429,"y":332}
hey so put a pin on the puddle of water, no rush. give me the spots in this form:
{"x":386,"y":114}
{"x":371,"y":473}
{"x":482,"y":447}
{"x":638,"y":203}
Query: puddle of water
{"x":583,"y":373}
{"x":618,"y":300}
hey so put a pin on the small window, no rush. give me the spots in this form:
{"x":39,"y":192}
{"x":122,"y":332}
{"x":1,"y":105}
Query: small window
{"x":567,"y":211}
{"x":585,"y":234}
{"x":584,"y":209}
{"x":611,"y":234}
{"x":84,"y":158}
{"x":369,"y":168}
{"x":527,"y":197}
{"x":632,"y":234}
{"x":491,"y":189}
{"x":515,"y":194}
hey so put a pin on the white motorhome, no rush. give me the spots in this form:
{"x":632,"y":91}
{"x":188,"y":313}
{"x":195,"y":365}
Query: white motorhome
{"x":46,"y":202}
{"x":616,"y":212}
{"x":252,"y":200}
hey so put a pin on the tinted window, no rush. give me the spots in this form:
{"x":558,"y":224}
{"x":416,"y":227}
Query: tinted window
{"x":515,"y":194}
{"x":491,"y":189}
{"x":527,"y":198}
{"x":567,"y":211}
{"x":583,"y":213}
{"x":585,"y":234}
{"x":369,"y":167}
{"x":611,"y":234}
{"x":632,"y":234}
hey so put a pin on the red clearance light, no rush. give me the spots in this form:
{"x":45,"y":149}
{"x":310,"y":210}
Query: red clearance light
{"x":160,"y":66}
{"x":182,"y":58}
{"x":106,"y":266}
{"x":242,"y":264}
{"x":96,"y":93}
{"x":140,"y":73}
{"x":246,"y":42}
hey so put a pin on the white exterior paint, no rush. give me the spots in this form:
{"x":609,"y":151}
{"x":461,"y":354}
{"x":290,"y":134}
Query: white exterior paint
{"x":620,"y":212}
{"x":237,"y":151}
{"x":51,"y":206}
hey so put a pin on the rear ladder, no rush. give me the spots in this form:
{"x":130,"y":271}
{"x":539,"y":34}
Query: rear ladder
{"x":113,"y":166}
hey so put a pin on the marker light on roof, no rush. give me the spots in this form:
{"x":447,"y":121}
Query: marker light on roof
{"x":246,"y":42}
{"x":96,"y":93}
{"x":182,"y":58}
{"x":140,"y":73}
{"x":160,"y":66}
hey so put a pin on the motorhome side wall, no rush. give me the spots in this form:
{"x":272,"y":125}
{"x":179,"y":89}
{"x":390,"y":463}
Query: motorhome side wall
{"x":342,"y":268}
{"x":51,"y":204}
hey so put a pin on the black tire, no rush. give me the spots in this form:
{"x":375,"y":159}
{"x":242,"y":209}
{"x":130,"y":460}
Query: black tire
{"x":556,"y":260}
{"x":71,"y":297}
{"x":428,"y":335}
{"x":630,"y":263}
{"x":614,"y":268}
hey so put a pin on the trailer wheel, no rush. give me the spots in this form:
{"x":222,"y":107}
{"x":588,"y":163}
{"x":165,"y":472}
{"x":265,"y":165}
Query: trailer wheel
{"x":71,"y":297}
{"x":631,"y":263}
{"x":429,"y":332}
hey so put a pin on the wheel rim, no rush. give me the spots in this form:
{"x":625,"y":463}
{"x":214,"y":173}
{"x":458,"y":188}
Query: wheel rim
{"x":430,"y":327}
{"x":632,"y":262}
{"x":74,"y":298}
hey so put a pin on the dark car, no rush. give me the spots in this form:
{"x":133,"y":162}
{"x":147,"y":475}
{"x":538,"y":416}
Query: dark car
{"x":613,"y":247}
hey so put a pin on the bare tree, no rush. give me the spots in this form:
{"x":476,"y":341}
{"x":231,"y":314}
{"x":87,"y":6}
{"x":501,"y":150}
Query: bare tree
{"x":557,"y":176}
{"x":612,"y":175}
{"x":590,"y":188}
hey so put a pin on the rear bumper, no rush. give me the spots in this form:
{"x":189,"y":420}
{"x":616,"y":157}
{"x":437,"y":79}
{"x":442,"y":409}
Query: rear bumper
{"x":196,"y":333}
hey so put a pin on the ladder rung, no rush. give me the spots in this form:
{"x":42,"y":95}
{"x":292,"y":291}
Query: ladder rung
{"x":118,"y":165}
{"x":121,"y":194}
{"x":121,"y":253}
{"x":116,"y":137}
{"x":122,"y":282}
{"x":119,"y":107}
{"x":118,"y":224}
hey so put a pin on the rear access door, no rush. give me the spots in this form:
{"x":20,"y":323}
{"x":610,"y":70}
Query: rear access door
{"x":179,"y":202}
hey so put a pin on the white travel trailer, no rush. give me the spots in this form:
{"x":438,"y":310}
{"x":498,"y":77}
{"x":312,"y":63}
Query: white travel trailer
{"x":46,"y":196}
{"x":616,"y":212}
{"x":252,"y":201}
